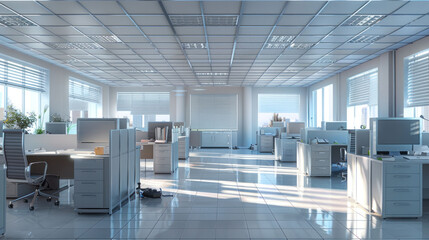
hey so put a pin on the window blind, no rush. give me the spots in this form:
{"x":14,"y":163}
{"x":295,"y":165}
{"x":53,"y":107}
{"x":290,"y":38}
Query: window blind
{"x":363,"y":89}
{"x":278,"y":103}
{"x":144,"y":103}
{"x":417,"y":80}
{"x":24,"y":76}
{"x":84,"y":91}
{"x":214,"y":111}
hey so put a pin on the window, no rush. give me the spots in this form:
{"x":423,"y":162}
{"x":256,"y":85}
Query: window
{"x":22,"y":85}
{"x":416,"y":97}
{"x":143,"y":107}
{"x":84,"y":101}
{"x":362,"y":99}
{"x":322,"y":106}
{"x":286,"y":105}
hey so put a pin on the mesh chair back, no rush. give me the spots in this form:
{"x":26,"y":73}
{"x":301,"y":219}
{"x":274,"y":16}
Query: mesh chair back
{"x":13,"y":149}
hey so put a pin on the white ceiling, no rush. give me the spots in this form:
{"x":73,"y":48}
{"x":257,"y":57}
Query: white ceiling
{"x":235,"y":36}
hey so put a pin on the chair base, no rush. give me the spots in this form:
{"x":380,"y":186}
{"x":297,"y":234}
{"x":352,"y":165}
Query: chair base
{"x":35,"y":194}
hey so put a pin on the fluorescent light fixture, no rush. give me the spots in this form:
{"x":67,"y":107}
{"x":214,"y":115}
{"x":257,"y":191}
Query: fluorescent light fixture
{"x":195,"y":45}
{"x":214,"y":83}
{"x":211,"y":74}
{"x":363,"y":20}
{"x":179,"y":90}
{"x":281,"y":39}
{"x":11,"y":21}
{"x":364,"y":39}
{"x":276,"y":45}
{"x":140,"y":71}
{"x":105,"y":38}
{"x":199,"y":89}
{"x":210,"y":20}
{"x":301,"y":45}
{"x":75,"y":45}
{"x":326,"y":61}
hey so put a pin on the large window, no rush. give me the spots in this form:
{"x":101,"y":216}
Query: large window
{"x":143,"y":107}
{"x":286,"y":105}
{"x":84,"y":101}
{"x":322,"y":106}
{"x":22,"y":85}
{"x":362,"y":99}
{"x":416,"y":87}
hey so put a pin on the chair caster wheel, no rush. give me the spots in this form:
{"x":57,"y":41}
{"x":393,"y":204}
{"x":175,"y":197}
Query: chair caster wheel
{"x":31,"y":208}
{"x":57,"y":203}
{"x":10,"y":205}
{"x":49,"y":199}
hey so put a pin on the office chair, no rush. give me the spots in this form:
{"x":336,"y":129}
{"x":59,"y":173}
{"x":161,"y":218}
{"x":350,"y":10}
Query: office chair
{"x":18,"y":170}
{"x":343,"y":163}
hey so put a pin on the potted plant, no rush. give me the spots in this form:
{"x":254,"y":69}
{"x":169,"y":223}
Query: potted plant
{"x":15,"y":119}
{"x":57,"y":124}
{"x":40,"y":120}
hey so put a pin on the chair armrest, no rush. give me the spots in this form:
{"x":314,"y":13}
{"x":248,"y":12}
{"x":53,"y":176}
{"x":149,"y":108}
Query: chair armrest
{"x":28,"y":169}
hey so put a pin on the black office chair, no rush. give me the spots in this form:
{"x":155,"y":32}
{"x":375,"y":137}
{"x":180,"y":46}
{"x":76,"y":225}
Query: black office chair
{"x":18,"y":170}
{"x":343,"y":163}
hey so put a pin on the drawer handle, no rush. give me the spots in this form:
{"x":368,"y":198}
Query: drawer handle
{"x":401,"y":166}
{"x":401,"y":176}
{"x":401,"y":204}
{"x":88,"y":183}
{"x":401,"y":190}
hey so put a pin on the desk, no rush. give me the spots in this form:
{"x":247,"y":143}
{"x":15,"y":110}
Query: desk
{"x":389,"y":188}
{"x":316,"y":159}
{"x":285,"y":149}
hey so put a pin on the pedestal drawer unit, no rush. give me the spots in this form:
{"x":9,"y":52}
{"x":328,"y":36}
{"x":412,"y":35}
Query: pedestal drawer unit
{"x":320,"y":163}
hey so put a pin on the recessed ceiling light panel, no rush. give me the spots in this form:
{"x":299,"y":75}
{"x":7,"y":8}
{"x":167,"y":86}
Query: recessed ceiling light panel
{"x":105,"y":38}
{"x":75,"y":45}
{"x":364,"y":39}
{"x":301,"y":45}
{"x":363,"y":20}
{"x":195,"y":45}
{"x":281,"y":39}
{"x":211,"y":74}
{"x":15,"y":21}
{"x":276,"y":45}
{"x":210,"y":20}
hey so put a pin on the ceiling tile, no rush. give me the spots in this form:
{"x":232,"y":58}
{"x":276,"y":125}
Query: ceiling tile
{"x":64,"y":7}
{"x":295,"y":20}
{"x":24,"y":7}
{"x":414,"y":7}
{"x":254,"y":20}
{"x":174,"y":8}
{"x":222,"y":7}
{"x":324,"y":20}
{"x":302,"y":7}
{"x":142,"y":7}
{"x":108,"y":7}
{"x":380,"y":7}
{"x":115,"y":20}
{"x":342,"y":7}
{"x":263,"y":7}
{"x":397,"y":20}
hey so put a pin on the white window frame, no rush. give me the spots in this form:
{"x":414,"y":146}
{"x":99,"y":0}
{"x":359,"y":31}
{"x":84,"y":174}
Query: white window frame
{"x":314,"y":121}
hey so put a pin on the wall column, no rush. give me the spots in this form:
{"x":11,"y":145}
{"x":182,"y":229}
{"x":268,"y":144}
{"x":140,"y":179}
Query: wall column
{"x":247,"y":116}
{"x":180,"y":94}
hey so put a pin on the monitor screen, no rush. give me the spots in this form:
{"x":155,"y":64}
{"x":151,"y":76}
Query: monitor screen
{"x":398,"y":132}
{"x":294,"y":127}
{"x":95,"y":131}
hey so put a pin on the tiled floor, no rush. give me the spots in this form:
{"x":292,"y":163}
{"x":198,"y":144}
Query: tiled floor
{"x":221,"y":194}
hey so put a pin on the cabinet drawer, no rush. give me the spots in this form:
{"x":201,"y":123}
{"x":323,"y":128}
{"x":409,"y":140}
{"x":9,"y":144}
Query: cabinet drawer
{"x":322,"y":162}
{"x":162,"y":147}
{"x":403,"y":207}
{"x":321,"y":171}
{"x":402,"y":168}
{"x":320,"y":147}
{"x":162,"y":160}
{"x":162,"y":168}
{"x":87,"y":200}
{"x":162,"y":154}
{"x":88,"y":186}
{"x":396,"y":194}
{"x":88,"y":174}
{"x":88,"y":163}
{"x":402,"y":180}
{"x":320,"y":154}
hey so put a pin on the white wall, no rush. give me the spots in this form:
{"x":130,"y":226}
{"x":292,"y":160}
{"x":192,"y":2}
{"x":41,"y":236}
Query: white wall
{"x":58,"y":82}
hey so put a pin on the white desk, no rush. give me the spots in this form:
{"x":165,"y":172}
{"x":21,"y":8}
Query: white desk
{"x":388,"y":188}
{"x":285,"y":149}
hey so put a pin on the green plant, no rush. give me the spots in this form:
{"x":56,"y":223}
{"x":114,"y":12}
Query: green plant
{"x":41,"y":120}
{"x":15,"y":119}
{"x":55,"y":117}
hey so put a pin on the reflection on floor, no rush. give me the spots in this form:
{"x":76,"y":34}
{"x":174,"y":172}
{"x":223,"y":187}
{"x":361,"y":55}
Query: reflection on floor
{"x":221,"y":194}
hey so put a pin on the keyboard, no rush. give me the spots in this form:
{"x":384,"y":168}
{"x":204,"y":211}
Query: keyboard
{"x":417,"y":157}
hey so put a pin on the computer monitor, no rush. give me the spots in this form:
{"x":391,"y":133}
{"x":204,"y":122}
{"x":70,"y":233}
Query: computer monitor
{"x":293,"y":129}
{"x":93,"y":132}
{"x":395,"y":134}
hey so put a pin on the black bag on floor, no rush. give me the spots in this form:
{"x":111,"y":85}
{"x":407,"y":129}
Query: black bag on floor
{"x":151,"y":193}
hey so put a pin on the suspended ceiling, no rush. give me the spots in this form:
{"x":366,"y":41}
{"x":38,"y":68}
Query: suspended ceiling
{"x":211,"y":43}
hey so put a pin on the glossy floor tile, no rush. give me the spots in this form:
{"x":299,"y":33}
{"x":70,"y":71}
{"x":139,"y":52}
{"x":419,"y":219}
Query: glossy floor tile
{"x":221,"y":194}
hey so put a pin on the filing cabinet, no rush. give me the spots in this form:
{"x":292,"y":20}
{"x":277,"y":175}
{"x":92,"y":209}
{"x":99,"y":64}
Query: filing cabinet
{"x":320,"y":162}
{"x":183,"y":147}
{"x":165,"y":157}
{"x":266,"y":143}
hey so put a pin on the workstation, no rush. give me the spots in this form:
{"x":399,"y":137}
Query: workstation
{"x":214,"y":119}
